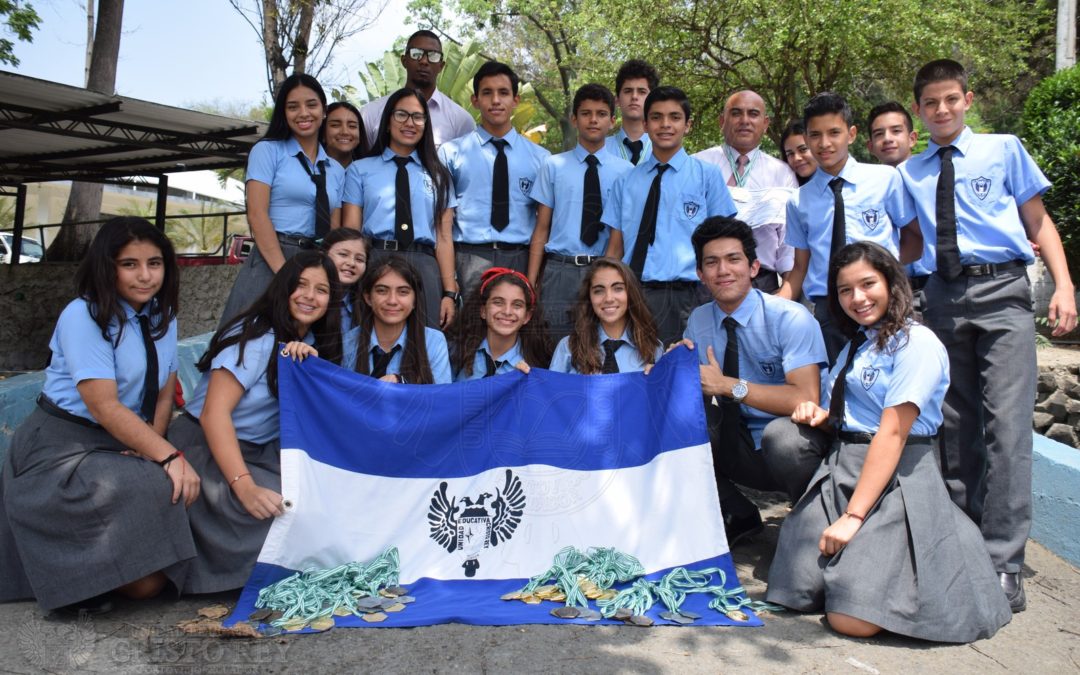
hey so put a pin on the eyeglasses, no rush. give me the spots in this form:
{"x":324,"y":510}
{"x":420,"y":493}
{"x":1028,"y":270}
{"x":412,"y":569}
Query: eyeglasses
{"x":415,"y":53}
{"x":403,"y":116}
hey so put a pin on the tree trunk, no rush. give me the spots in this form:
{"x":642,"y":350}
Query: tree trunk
{"x":84,"y":201}
{"x":275,"y":60}
{"x":303,"y":36}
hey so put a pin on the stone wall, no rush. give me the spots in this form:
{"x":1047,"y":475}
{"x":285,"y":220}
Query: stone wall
{"x":1057,"y":411}
{"x":32,"y":296}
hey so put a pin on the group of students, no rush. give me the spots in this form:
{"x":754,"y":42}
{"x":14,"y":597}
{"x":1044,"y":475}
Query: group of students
{"x":617,"y":249}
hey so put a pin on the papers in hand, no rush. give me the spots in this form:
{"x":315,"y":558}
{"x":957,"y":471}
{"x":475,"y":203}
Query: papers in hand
{"x":758,"y":208}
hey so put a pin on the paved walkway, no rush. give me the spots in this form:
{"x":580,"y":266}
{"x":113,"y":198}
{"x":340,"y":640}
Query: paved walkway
{"x":142,"y":638}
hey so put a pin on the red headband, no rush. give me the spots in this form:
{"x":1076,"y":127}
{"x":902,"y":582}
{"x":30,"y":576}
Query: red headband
{"x":495,"y":272}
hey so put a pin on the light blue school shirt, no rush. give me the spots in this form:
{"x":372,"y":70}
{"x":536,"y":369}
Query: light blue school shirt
{"x":371,"y":184}
{"x":690,"y":192}
{"x":79,"y":353}
{"x":507,"y":363}
{"x":995,"y":175}
{"x":776,"y":336}
{"x":255,"y":416}
{"x":916,"y":372}
{"x":438,"y":354}
{"x":292,"y":192}
{"x":614,"y":144}
{"x":471,"y":161}
{"x":560,"y":185}
{"x":876,"y":206}
{"x":347,"y":320}
{"x":626,"y":356}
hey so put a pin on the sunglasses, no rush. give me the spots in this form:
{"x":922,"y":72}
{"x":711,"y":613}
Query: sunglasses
{"x":416,"y":54}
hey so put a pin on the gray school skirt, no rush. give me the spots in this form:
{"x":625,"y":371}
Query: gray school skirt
{"x":916,"y":567}
{"x":83,"y":518}
{"x":227,"y":538}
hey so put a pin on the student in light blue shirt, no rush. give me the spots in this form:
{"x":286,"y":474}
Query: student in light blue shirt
{"x":287,"y":172}
{"x":751,"y":383}
{"x":494,"y":220}
{"x":390,"y":342}
{"x":611,"y":319}
{"x":978,"y":303}
{"x":419,"y":229}
{"x":879,"y":497}
{"x":348,"y":249}
{"x":569,"y":233}
{"x":633,"y":83}
{"x":876,"y":208}
{"x":501,"y":328}
{"x":230,"y":428}
{"x":89,"y":472}
{"x":689,"y":192}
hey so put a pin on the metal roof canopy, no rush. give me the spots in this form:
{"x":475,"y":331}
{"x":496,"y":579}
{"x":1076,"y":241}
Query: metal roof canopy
{"x":51,"y":131}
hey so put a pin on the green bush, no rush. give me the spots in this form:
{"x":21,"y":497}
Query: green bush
{"x":1052,"y":135}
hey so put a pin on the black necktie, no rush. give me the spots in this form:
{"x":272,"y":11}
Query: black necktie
{"x":836,"y":401}
{"x":500,"y":187}
{"x":403,"y":227}
{"x":322,"y":199}
{"x":150,"y":381}
{"x":647,"y":231}
{"x":491,"y":364}
{"x":948,"y":252}
{"x":610,"y":364}
{"x":381,"y":360}
{"x":729,"y":427}
{"x":839,"y":223}
{"x":635,"y":148}
{"x":592,"y":206}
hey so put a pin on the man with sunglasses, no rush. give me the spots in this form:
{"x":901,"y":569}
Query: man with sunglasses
{"x":423,"y":61}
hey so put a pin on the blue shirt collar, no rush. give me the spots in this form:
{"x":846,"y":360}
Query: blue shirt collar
{"x":513,"y":356}
{"x":511,"y":136}
{"x":677,"y":162}
{"x":822,"y":179}
{"x":604,"y":336}
{"x":388,"y":155}
{"x":292,"y":146}
{"x":743,"y":313}
{"x":374,"y":341}
{"x":961,"y":143}
{"x":580,"y":153}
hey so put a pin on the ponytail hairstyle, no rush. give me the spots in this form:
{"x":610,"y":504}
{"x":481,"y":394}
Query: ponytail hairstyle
{"x":415,"y":366}
{"x":271,"y":313}
{"x":471,"y":329}
{"x":95,"y":280}
{"x":585,"y":351}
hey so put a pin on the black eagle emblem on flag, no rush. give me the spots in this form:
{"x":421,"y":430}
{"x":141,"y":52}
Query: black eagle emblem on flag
{"x":473,"y":525}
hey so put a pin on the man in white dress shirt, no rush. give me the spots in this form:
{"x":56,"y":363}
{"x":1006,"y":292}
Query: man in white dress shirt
{"x":748,"y":171}
{"x":423,"y":61}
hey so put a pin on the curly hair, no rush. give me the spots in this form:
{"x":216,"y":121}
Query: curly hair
{"x":585,"y":351}
{"x":901,"y":310}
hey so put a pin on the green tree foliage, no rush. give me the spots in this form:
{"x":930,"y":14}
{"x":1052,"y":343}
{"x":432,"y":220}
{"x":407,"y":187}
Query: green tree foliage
{"x":1052,"y":135}
{"x":20,"y":20}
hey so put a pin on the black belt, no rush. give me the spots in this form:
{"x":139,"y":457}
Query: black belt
{"x":491,"y":246}
{"x":865,"y":438}
{"x":671,"y":285}
{"x":576,"y":260}
{"x":299,"y":242}
{"x":394,"y":245}
{"x":56,"y":411}
{"x":918,"y":282}
{"x":990,"y":269}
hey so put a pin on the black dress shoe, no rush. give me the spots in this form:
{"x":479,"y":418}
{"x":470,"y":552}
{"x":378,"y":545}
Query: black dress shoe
{"x":741,"y":519}
{"x":1013,"y":585}
{"x":95,"y":606}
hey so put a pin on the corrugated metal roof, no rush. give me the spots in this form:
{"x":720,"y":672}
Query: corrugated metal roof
{"x":51,"y":131}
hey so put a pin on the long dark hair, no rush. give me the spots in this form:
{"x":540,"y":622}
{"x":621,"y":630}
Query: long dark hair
{"x":471,"y":329}
{"x":361,"y":147}
{"x":279,"y":127}
{"x":415,"y":366}
{"x":640,"y":326}
{"x":440,"y":177}
{"x":95,"y":281}
{"x":794,"y":128}
{"x":271,"y":313}
{"x":901,"y":311}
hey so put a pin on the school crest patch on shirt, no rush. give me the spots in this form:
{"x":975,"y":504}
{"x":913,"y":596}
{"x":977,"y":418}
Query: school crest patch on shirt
{"x":525,"y":184}
{"x":429,"y":187}
{"x":981,"y":186}
{"x":871,"y":218}
{"x":472,"y":525}
{"x":691,"y":209}
{"x":767,"y":367}
{"x":869,"y":377}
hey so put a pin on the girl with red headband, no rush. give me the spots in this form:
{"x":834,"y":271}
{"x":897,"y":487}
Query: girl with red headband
{"x":500,"y":328}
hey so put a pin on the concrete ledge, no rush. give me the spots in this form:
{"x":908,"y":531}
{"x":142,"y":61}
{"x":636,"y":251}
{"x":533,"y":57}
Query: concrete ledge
{"x":18,"y":394}
{"x":1056,"y":498}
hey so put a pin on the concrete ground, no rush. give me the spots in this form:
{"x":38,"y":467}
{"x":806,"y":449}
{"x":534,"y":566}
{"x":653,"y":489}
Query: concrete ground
{"x":143,"y":638}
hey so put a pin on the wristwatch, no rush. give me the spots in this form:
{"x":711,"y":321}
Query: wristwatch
{"x":740,"y":390}
{"x":453,"y":295}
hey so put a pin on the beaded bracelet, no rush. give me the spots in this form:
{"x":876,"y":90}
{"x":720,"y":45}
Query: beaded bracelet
{"x":236,"y":478}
